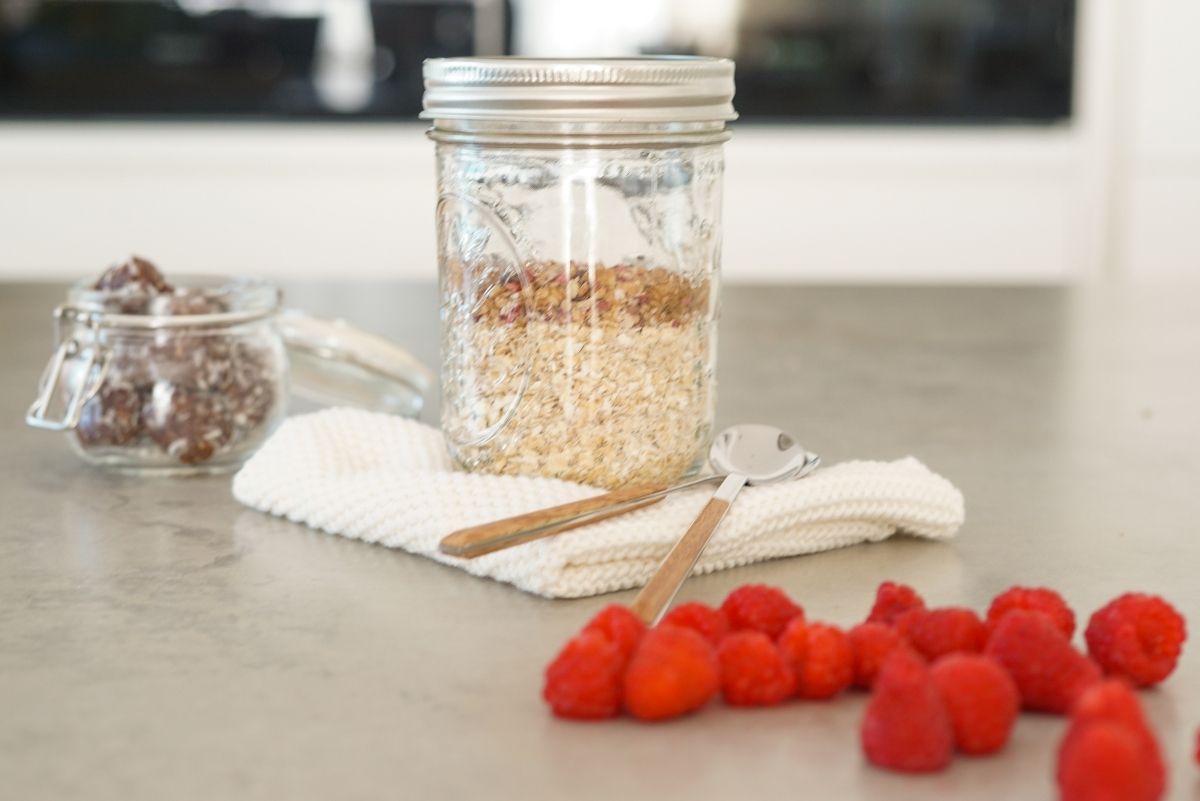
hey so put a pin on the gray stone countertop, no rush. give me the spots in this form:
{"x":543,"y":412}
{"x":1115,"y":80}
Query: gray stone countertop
{"x":157,"y":641}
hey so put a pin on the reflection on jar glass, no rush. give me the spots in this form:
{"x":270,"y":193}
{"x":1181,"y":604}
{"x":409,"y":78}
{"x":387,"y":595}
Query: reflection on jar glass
{"x":579,"y":252}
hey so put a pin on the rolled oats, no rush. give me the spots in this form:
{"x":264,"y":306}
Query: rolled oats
{"x":598,"y":374}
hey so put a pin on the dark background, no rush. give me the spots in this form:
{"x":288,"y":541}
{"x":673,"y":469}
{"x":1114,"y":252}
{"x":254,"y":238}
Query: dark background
{"x":913,"y":61}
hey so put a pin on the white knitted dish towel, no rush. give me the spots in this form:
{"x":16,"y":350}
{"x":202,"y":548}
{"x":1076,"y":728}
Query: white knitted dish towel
{"x":383,"y":479}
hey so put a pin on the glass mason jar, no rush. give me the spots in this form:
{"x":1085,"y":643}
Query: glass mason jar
{"x":193,"y":380}
{"x":579,"y":241}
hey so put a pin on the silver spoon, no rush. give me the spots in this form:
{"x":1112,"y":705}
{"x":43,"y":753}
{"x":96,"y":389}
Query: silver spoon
{"x":478,"y":540}
{"x":754,"y":454}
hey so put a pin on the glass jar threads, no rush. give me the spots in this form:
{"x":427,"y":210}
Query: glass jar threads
{"x":579,"y":235}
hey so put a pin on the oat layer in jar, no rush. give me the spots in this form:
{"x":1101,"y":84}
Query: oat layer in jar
{"x":579,"y":239}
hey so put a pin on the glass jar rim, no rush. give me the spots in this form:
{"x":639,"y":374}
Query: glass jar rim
{"x":246,"y":300}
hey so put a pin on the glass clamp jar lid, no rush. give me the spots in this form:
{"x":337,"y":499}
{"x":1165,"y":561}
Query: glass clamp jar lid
{"x":151,"y":377}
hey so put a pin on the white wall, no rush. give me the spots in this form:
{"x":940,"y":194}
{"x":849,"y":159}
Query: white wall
{"x":1158,"y":173}
{"x":321,"y":200}
{"x":1114,"y":193}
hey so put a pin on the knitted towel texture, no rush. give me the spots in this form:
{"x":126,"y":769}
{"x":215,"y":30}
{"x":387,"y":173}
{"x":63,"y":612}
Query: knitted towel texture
{"x":387,"y":480}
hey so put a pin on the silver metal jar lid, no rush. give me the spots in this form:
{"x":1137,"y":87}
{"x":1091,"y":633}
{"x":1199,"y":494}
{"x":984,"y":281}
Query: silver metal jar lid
{"x":662,"y":89}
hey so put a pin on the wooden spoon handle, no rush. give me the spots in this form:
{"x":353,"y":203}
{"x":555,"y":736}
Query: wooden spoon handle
{"x":478,"y":540}
{"x":658,"y":593}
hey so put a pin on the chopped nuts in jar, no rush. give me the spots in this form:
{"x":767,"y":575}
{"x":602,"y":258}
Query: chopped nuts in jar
{"x":131,"y":286}
{"x":190,"y":376}
{"x":132,"y":276}
{"x":185,"y":394}
{"x":597,"y":375}
{"x":113,"y":417}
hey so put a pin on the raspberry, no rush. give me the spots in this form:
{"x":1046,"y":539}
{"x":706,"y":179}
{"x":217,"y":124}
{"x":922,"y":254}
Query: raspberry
{"x":793,"y":645}
{"x":905,"y":726}
{"x":584,"y":680}
{"x":1036,"y":599}
{"x":757,"y":606}
{"x":1137,"y":636}
{"x":753,"y":672}
{"x":1103,"y":760}
{"x":871,"y":643}
{"x":891,"y":600}
{"x":1113,"y":701}
{"x":673,"y":671}
{"x":937,"y":632}
{"x":701,"y":617}
{"x":826,"y":666}
{"x":905,"y":620}
{"x":1048,"y":672}
{"x":981,"y":699}
{"x":620,"y":625}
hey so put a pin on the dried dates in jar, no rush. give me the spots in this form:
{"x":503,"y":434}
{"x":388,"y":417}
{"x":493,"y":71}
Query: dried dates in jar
{"x":197,"y":389}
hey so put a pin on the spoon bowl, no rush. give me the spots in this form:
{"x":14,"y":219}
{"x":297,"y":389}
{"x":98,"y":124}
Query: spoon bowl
{"x":763,"y":454}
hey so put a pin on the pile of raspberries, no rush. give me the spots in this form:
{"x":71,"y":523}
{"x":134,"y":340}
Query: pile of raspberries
{"x":940,"y":680}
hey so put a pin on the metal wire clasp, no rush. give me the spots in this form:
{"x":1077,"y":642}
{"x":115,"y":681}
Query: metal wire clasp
{"x":96,"y":361}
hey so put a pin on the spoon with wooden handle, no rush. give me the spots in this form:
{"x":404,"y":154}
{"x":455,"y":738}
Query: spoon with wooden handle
{"x":754,"y":454}
{"x":488,"y":537}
